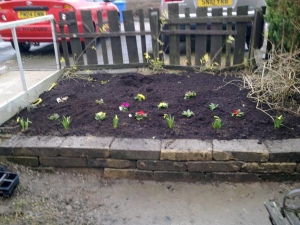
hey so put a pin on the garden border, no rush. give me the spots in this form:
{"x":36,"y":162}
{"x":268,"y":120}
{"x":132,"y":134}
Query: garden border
{"x":238,"y":160}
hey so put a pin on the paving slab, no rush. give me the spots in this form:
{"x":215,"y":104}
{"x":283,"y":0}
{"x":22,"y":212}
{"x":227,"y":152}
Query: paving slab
{"x":287,"y":150}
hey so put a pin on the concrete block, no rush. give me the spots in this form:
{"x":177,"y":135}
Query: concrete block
{"x":161,"y":165}
{"x":125,"y":148}
{"x":128,"y":174}
{"x":186,"y":150}
{"x":62,"y":162}
{"x":86,"y":146}
{"x":232,"y":177}
{"x":111,"y":163}
{"x":287,"y":150}
{"x":38,"y":146}
{"x":240,"y":150}
{"x":178,"y":176}
{"x":269,"y":167}
{"x":214,"y":166}
{"x":274,"y":177}
{"x":21,"y":160}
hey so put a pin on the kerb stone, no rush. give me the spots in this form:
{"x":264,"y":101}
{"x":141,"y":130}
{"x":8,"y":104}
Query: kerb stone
{"x":37,"y":146}
{"x":186,"y":150}
{"x":240,"y":150}
{"x":128,"y":174}
{"x":87,"y":146}
{"x":6,"y":145}
{"x":287,"y":150}
{"x":125,"y":148}
{"x":214,"y":166}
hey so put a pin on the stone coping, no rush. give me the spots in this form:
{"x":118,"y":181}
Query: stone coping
{"x":183,"y":159}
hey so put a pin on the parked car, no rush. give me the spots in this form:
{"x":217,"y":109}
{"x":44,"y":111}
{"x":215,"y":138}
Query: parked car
{"x":224,"y":4}
{"x":41,"y":32}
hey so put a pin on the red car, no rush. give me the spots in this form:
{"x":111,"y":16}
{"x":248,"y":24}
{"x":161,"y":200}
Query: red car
{"x":41,"y":32}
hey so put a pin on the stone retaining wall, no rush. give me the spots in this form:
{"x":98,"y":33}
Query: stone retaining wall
{"x":162,"y":160}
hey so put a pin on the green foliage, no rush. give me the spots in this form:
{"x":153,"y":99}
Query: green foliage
{"x":66,"y":122}
{"x":283,"y":18}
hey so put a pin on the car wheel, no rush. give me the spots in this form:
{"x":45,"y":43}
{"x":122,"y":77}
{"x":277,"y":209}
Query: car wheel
{"x":23,"y":47}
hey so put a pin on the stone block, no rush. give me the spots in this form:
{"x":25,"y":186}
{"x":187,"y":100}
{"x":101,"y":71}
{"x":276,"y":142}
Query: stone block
{"x":38,"y":146}
{"x":232,"y":177}
{"x":161,"y":165}
{"x":287,"y":150}
{"x":21,"y":160}
{"x":7,"y":144}
{"x":214,"y":166}
{"x":128,"y":174}
{"x":178,"y":176}
{"x":279,"y":177}
{"x":86,"y":146}
{"x":269,"y":167}
{"x":62,"y":162}
{"x":111,"y":163}
{"x":125,"y":148}
{"x":240,"y":150}
{"x":186,"y":150}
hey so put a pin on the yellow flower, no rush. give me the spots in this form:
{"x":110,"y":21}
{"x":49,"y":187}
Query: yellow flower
{"x":62,"y":59}
{"x":147,"y":56}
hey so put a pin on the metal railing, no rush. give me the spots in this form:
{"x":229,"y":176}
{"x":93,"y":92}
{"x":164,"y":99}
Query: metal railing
{"x":14,"y":24}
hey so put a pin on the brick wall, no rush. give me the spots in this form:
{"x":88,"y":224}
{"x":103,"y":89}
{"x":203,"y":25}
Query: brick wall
{"x":135,"y":5}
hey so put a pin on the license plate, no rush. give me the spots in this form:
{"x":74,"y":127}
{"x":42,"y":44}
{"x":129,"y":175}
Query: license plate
{"x":210,"y":3}
{"x":30,"y":14}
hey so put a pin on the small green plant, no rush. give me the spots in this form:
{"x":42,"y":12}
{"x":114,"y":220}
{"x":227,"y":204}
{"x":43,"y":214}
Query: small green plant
{"x":213,"y":106}
{"x":155,"y":64}
{"x":238,"y":113}
{"x":139,"y":115}
{"x":217,"y":124}
{"x":189,"y":94}
{"x":100,"y":101}
{"x":162,"y":105}
{"x":140,"y":97}
{"x":100,"y":116}
{"x":188,"y":113}
{"x":66,"y":122}
{"x":115,"y":121}
{"x":170,"y":120}
{"x":23,"y":123}
{"x":124,"y":106}
{"x":55,"y":116}
{"x":278,"y":121}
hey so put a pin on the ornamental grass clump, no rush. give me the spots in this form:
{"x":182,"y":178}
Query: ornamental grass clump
{"x":217,"y":124}
{"x":23,"y":123}
{"x":170,"y":120}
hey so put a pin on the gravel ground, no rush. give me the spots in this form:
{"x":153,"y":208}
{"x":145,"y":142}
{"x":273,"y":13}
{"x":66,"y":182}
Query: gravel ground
{"x":84,"y":197}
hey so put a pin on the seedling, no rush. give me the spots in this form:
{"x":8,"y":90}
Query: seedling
{"x":23,"y":123}
{"x":66,"y":122}
{"x":213,"y":106}
{"x":55,"y":116}
{"x":189,"y":94}
{"x":188,"y":113}
{"x":115,"y":121}
{"x":170,"y":120}
{"x":278,"y":121}
{"x":217,"y":124}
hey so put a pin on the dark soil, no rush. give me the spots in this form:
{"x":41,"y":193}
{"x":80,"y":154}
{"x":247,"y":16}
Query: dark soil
{"x":170,"y":88}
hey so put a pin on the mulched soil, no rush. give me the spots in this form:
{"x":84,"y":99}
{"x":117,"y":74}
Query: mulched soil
{"x":171,"y":88}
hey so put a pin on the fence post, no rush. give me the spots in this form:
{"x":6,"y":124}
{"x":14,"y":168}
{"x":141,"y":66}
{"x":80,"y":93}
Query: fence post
{"x":64,"y":43}
{"x":142,"y":28}
{"x":200,"y":40}
{"x":174,"y":48}
{"x":188,"y":39}
{"x":155,"y":28}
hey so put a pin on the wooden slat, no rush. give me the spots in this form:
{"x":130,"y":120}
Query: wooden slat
{"x":155,"y":27}
{"x":102,"y":39}
{"x":217,"y":19}
{"x":113,"y":66}
{"x":116,"y":45}
{"x":275,"y":214}
{"x":200,"y":41}
{"x":241,"y":28}
{"x":174,"y":48}
{"x":90,"y":43}
{"x":228,"y":44}
{"x":64,"y":43}
{"x":142,"y":28}
{"x":188,"y":40}
{"x":75,"y":40}
{"x":130,"y":41}
{"x":255,"y":36}
{"x":201,"y":32}
{"x":216,"y":41}
{"x":291,"y":217}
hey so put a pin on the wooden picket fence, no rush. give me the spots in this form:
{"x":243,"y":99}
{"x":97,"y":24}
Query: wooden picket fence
{"x":105,"y":48}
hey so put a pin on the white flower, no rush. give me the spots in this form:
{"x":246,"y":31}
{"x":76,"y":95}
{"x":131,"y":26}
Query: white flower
{"x":129,"y":115}
{"x":59,"y":100}
{"x":121,"y":108}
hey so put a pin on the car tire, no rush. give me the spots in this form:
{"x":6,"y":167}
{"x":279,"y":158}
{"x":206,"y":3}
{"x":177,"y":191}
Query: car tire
{"x":23,"y":47}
